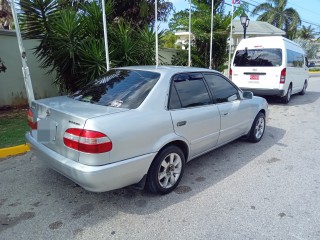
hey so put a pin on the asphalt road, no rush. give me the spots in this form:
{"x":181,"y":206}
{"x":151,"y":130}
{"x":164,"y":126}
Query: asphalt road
{"x":268,"y":190}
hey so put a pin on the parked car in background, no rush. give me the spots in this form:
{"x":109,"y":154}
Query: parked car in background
{"x":142,"y":125}
{"x":312,"y":64}
{"x":270,"y":66}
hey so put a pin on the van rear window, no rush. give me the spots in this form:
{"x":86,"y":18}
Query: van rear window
{"x":268,"y":57}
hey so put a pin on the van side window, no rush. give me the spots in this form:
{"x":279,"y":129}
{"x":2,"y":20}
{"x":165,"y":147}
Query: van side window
{"x":267,"y":57}
{"x":294,"y":59}
{"x":188,"y":90}
{"x":221,"y":88}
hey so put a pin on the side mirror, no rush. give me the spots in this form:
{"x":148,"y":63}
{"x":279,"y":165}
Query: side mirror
{"x":247,"y":95}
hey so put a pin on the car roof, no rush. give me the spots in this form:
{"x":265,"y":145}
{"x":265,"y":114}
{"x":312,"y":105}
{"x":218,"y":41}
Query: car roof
{"x":166,"y":69}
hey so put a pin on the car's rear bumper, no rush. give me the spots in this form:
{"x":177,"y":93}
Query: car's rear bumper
{"x":265,"y":92}
{"x":94,"y":178}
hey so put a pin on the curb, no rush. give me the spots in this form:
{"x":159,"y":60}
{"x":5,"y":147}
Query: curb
{"x":10,"y":151}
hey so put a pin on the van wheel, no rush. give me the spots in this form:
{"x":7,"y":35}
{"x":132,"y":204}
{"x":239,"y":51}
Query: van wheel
{"x":257,"y":128}
{"x":166,"y":170}
{"x":304,"y":89}
{"x":287,"y":97}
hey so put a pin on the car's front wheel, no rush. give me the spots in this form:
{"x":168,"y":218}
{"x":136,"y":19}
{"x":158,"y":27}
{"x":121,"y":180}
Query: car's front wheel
{"x":257,"y":128}
{"x":166,"y":170}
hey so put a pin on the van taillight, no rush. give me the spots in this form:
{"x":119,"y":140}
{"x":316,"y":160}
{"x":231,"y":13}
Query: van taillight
{"x":230,"y":74}
{"x":31,"y":122}
{"x":87,"y":141}
{"x":283,"y":76}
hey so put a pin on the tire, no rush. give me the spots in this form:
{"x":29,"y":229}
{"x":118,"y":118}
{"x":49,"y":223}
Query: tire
{"x":257,"y":128}
{"x":166,"y":170}
{"x":304,"y":89}
{"x":287,"y":97}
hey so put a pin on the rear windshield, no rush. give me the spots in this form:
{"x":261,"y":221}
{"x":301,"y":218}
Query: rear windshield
{"x":271,"y":57}
{"x":118,"y":88}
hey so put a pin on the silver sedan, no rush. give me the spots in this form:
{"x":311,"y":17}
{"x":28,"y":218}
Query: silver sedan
{"x":141,"y":125}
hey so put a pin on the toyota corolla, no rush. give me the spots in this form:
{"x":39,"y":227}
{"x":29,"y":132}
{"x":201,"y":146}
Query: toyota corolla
{"x":141,"y":125}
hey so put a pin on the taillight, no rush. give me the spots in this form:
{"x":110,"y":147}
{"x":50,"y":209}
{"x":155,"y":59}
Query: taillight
{"x":230,"y":74}
{"x":31,"y":122}
{"x":283,"y":76}
{"x":87,"y":141}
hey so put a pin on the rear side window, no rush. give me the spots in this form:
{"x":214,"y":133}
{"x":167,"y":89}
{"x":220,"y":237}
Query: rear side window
{"x":271,"y":57}
{"x":119,"y":88}
{"x":221,"y":88}
{"x":188,"y":90}
{"x":295,"y":59}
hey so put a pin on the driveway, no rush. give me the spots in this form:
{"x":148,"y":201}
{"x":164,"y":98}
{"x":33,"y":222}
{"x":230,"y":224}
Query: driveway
{"x":268,"y":190}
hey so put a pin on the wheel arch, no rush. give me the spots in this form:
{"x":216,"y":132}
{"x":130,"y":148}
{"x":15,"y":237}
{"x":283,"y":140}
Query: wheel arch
{"x":180,"y":144}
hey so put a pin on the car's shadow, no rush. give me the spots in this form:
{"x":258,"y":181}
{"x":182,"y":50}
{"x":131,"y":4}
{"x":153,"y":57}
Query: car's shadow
{"x":200,"y":174}
{"x":296,"y":99}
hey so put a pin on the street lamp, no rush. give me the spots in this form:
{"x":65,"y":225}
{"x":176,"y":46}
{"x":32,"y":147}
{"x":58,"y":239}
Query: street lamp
{"x":245,"y":23}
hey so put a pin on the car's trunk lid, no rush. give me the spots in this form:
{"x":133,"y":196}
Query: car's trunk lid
{"x":56,"y":115}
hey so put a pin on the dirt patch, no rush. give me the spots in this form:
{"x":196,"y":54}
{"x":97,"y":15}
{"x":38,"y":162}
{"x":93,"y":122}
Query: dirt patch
{"x":9,"y":111}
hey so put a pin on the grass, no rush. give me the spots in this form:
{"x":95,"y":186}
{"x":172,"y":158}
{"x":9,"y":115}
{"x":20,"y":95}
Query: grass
{"x":13,"y":126}
{"x":314,"y":70}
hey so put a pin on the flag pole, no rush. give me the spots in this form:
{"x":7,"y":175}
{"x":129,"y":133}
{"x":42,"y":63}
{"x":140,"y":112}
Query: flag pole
{"x":105,"y":33}
{"x":189,"y":53}
{"x":156,"y":26}
{"x":25,"y":68}
{"x":211,"y":36}
{"x":230,"y":39}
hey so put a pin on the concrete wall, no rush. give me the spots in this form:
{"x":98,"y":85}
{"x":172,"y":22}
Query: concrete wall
{"x":12,"y":88}
{"x":166,"y":55}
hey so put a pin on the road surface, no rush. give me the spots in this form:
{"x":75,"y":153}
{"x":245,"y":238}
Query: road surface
{"x":268,"y":190}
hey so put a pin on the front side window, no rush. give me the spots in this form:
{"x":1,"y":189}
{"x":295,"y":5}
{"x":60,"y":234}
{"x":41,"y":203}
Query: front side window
{"x":188,"y":90}
{"x":118,"y":88}
{"x":222,"y":89}
{"x":271,"y":57}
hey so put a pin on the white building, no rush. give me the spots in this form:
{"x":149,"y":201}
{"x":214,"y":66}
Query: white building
{"x":255,"y":29}
{"x":183,"y":39}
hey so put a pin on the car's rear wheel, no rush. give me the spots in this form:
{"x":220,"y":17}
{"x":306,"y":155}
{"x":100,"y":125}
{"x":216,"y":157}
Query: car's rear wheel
{"x":304,"y":89}
{"x":166,"y":170}
{"x":257,"y":128}
{"x":287,"y":97}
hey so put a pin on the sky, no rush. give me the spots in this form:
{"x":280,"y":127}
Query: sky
{"x":307,"y":10}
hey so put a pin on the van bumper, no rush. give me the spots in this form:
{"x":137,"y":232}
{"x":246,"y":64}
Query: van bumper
{"x":94,"y":178}
{"x":265,"y":92}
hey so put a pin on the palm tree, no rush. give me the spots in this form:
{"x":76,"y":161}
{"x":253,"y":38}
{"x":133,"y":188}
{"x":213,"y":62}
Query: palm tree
{"x":71,"y":42}
{"x":5,"y":15}
{"x":306,"y":32}
{"x":276,"y":13}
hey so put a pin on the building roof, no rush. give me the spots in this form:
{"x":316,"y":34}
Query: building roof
{"x":257,"y":28}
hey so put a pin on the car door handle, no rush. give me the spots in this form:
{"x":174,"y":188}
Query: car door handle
{"x":181,"y":123}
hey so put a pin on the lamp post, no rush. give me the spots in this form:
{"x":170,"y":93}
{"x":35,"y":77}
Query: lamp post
{"x":245,"y":23}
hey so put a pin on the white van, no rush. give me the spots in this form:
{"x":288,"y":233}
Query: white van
{"x":270,"y":66}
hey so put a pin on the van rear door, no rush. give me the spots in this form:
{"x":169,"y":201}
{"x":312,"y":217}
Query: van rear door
{"x":258,"y":68}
